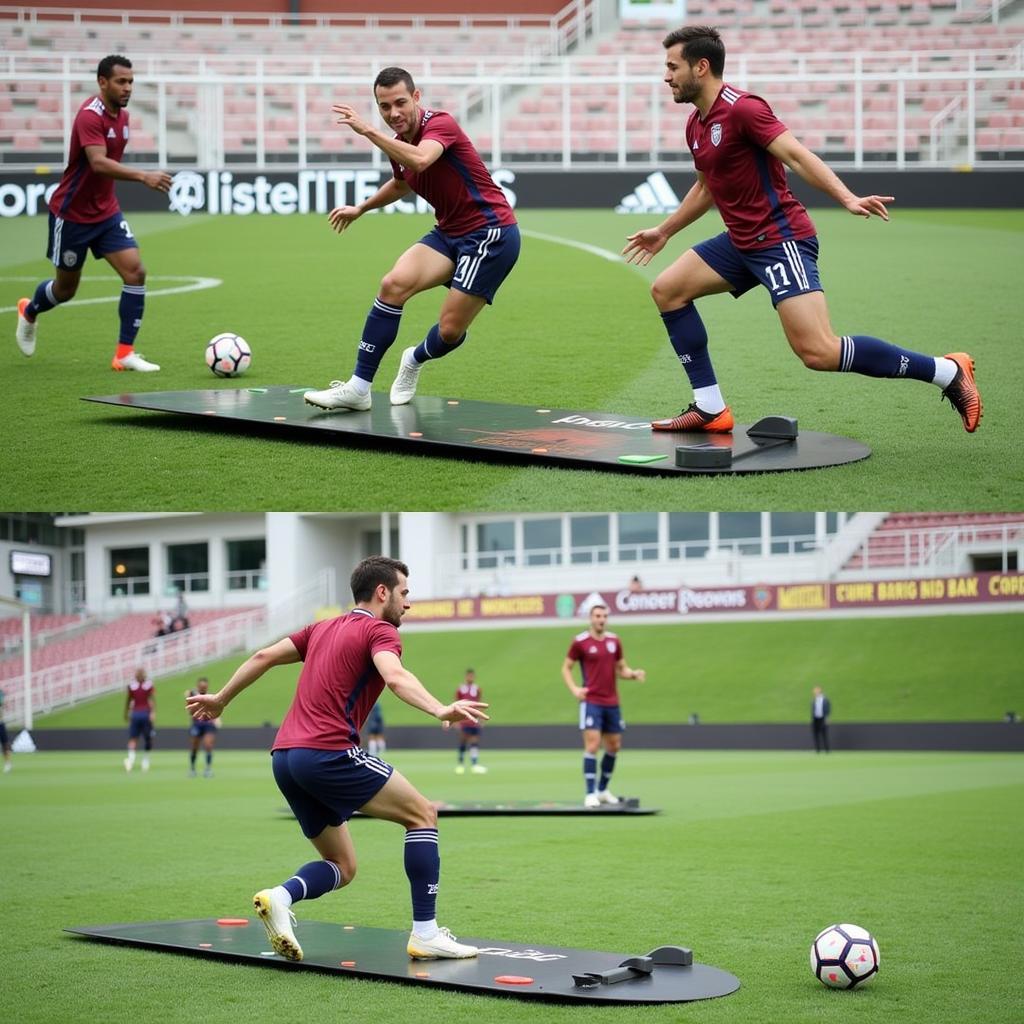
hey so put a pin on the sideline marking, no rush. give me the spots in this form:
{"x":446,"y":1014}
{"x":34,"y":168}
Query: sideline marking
{"x":605,"y":254}
{"x":197,"y":284}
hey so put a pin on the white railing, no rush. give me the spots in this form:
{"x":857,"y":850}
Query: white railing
{"x":74,"y":681}
{"x":942,"y":549}
{"x":43,"y":636}
{"x":182,"y":120}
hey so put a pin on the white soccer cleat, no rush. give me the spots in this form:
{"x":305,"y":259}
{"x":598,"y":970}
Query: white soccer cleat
{"x":591,"y":800}
{"x":278,"y":920}
{"x":478,"y":769}
{"x":127,"y":762}
{"x":341,"y":395}
{"x":605,"y":796}
{"x":134,"y":361}
{"x":26,"y":332}
{"x":441,"y":947}
{"x":404,"y":388}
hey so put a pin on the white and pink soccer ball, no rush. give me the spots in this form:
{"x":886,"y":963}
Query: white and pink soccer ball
{"x":844,"y":956}
{"x":228,"y":355}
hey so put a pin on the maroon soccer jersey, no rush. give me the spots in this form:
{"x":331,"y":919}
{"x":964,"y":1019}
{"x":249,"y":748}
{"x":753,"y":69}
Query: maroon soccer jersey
{"x":457,"y":185}
{"x":598,"y":659}
{"x":139,"y":694}
{"x":338,"y":683}
{"x":468,"y":691}
{"x":747,"y":183}
{"x":82,"y":195}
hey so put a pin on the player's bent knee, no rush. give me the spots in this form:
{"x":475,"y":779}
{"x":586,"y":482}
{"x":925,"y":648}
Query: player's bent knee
{"x":422,"y":815}
{"x":395,"y":291}
{"x":668,"y":295}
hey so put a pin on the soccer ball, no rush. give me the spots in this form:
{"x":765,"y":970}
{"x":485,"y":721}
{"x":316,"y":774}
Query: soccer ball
{"x":844,"y":955}
{"x":228,"y":355}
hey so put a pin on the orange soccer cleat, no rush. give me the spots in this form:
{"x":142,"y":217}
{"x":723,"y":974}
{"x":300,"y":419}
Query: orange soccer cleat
{"x":963,"y":393}
{"x":694,"y":419}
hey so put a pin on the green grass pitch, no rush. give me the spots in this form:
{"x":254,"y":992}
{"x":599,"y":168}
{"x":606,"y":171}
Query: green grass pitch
{"x":874,"y":670}
{"x":752,"y":855}
{"x":568,"y":328}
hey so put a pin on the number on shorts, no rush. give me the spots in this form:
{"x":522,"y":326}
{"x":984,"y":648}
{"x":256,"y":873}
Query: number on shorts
{"x":460,"y":270}
{"x":127,"y":230}
{"x":782,"y":273}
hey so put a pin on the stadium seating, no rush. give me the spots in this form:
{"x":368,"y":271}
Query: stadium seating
{"x":910,"y":539}
{"x":771,"y":44}
{"x":121,"y":632}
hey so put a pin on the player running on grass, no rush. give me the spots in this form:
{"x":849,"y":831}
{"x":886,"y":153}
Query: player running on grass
{"x":739,"y":149}
{"x":324,"y":774}
{"x":471,"y":250}
{"x":84,"y":215}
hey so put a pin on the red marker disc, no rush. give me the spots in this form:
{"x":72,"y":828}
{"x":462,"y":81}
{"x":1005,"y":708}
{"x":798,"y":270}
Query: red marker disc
{"x":237,"y":921}
{"x":513,"y":979}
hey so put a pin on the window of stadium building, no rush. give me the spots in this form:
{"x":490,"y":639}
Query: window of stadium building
{"x":188,"y":567}
{"x":589,"y":539}
{"x":542,"y":541}
{"x":129,"y":571}
{"x":247,"y":564}
{"x":740,"y":532}
{"x":638,"y":536}
{"x":31,"y":528}
{"x":373,"y":543}
{"x":792,"y":532}
{"x":495,"y":544}
{"x":688,"y":534}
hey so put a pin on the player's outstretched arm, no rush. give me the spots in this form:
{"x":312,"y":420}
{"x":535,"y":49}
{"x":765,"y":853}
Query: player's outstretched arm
{"x":391,"y":191}
{"x":579,"y":692}
{"x":406,"y":687}
{"x":798,"y":158}
{"x":100,"y":163}
{"x":417,"y":158}
{"x":642,"y":246}
{"x":207,"y":706}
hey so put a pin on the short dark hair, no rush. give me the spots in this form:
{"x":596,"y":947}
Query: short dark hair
{"x":107,"y":65}
{"x":392,"y":76}
{"x":373,"y":571}
{"x":699,"y":42}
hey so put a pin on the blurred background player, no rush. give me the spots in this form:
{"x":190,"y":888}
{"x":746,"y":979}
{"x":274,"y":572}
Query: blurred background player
{"x":375,"y":741}
{"x":469,"y":732}
{"x":201,"y":731}
{"x":821,"y":708}
{"x":601,"y":664}
{"x":84,"y":215}
{"x":140,"y":705}
{"x":324,"y":774}
{"x":740,"y":151}
{"x":471,"y":250}
{"x":5,"y":743}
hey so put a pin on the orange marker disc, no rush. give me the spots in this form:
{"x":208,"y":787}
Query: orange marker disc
{"x":423,"y":974}
{"x":513,"y":979}
{"x":348,"y":963}
{"x":238,"y":921}
{"x":205,"y":945}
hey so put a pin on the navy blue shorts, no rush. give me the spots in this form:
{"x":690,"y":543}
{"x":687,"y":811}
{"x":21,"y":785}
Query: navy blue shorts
{"x":483,"y":259}
{"x":197,"y":729}
{"x":69,"y":241}
{"x":786,"y":269}
{"x":140,"y":724}
{"x":326,"y":787}
{"x":604,"y":719}
{"x":470,"y":731}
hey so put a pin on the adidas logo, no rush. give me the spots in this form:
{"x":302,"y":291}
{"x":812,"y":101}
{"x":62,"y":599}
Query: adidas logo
{"x":110,"y":133}
{"x":655,"y":195}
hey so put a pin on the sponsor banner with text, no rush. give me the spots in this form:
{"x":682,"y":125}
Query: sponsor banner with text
{"x":678,"y":603}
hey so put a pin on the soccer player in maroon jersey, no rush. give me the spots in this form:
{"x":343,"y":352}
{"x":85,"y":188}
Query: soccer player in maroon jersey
{"x":322,"y":771}
{"x":469,"y":732}
{"x":140,"y":705}
{"x":602,"y":662}
{"x":740,"y":151}
{"x":85,"y":216}
{"x":471,"y":250}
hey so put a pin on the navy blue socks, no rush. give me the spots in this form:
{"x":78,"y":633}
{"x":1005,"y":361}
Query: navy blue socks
{"x":379,"y":333}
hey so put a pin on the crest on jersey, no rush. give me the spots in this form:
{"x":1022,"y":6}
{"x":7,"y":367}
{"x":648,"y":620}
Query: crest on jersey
{"x":716,"y":133}
{"x":610,"y":645}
